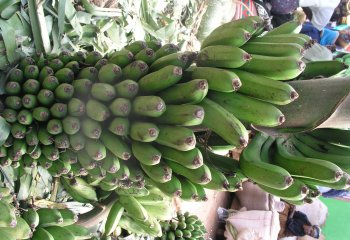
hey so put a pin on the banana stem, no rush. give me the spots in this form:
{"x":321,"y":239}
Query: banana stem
{"x":98,"y":213}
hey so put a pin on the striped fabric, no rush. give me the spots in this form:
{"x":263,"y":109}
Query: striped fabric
{"x":244,"y":8}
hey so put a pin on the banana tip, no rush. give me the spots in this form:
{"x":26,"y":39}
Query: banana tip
{"x":304,"y":189}
{"x":281,"y":119}
{"x":289,"y":180}
{"x":236,"y":84}
{"x":338,"y":175}
{"x":294,"y":95}
{"x":243,"y":142}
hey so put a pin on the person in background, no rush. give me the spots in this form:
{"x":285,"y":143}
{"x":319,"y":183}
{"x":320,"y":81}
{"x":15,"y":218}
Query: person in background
{"x":295,"y":223}
{"x":318,"y":11}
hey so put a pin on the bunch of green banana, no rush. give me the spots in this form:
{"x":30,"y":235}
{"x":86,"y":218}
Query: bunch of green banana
{"x":183,"y":226}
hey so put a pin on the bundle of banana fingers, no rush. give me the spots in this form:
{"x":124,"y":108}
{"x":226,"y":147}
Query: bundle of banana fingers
{"x":293,"y":168}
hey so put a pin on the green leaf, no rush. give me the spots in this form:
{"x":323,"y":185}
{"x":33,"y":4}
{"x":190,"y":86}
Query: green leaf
{"x":8,"y":34}
{"x":4,"y":130}
{"x":34,"y":22}
{"x":61,"y":16}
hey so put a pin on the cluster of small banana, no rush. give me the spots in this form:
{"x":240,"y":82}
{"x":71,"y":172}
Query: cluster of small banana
{"x":44,"y":223}
{"x":242,"y":68}
{"x":292,"y":169}
{"x":184,"y":226}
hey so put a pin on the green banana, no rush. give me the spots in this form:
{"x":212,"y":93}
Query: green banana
{"x":297,"y":191}
{"x":159,"y":173}
{"x":143,"y":131}
{"x":170,"y":188}
{"x":60,"y":233}
{"x":41,"y":233}
{"x":96,"y":149}
{"x":133,"y":208}
{"x":284,"y":38}
{"x":276,"y":68}
{"x":248,"y":109}
{"x":332,"y":135}
{"x":201,"y":175}
{"x":179,"y":138}
{"x":189,"y":191}
{"x":136,"y":46}
{"x":49,"y":217}
{"x":79,"y":189}
{"x":285,"y":28}
{"x":146,"y":153}
{"x":116,"y":145}
{"x":181,"y":59}
{"x":8,"y":217}
{"x":69,"y":217}
{"x":266,"y":154}
{"x":149,"y":106}
{"x":110,"y":163}
{"x":160,"y":80}
{"x":191,"y":159}
{"x":152,"y":198}
{"x":266,"y":89}
{"x":147,"y":55}
{"x":202,"y":195}
{"x":121,"y":58}
{"x":20,"y":231}
{"x":275,"y":49}
{"x":236,"y":38}
{"x":133,"y":191}
{"x":251,"y":24}
{"x":219,"y":181}
{"x":218,"y":79}
{"x":127,"y":89}
{"x":222,"y":57}
{"x":342,"y":161}
{"x":322,"y":68}
{"x":343,"y":183}
{"x":323,"y":146}
{"x":79,"y":232}
{"x":166,"y":49}
{"x":261,"y":172}
{"x":135,"y":70}
{"x":31,"y":217}
{"x":97,"y":111}
{"x":162,"y":211}
{"x":223,"y":123}
{"x":104,"y":92}
{"x":235,"y":181}
{"x":305,"y":167}
{"x":113,"y":218}
{"x":191,"y":92}
{"x":120,"y":107}
{"x":109,"y":73}
{"x":224,"y":164}
{"x":85,"y":160}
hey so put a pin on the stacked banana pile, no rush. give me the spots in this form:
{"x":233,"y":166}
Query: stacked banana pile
{"x":44,"y":223}
{"x":291,"y":169}
{"x":184,"y":226}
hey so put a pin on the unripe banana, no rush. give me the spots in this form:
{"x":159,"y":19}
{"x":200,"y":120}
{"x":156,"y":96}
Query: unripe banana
{"x":297,"y":191}
{"x":147,"y":55}
{"x":201,"y":175}
{"x":218,"y":79}
{"x":248,"y":109}
{"x":69,"y":217}
{"x":306,"y":167}
{"x":121,"y":58}
{"x":180,"y":138}
{"x":343,"y":183}
{"x":133,"y":207}
{"x":160,"y":80}
{"x":189,"y":191}
{"x":49,"y":217}
{"x":150,"y":106}
{"x":127,"y":89}
{"x":31,"y":217}
{"x":170,"y":188}
{"x":143,"y":131}
{"x":275,"y":49}
{"x":8,"y":217}
{"x":262,"y":172}
{"x":159,"y":173}
{"x":135,"y":70}
{"x":223,"y":123}
{"x":166,"y":49}
{"x":181,"y":59}
{"x":116,"y":145}
{"x":60,"y":233}
{"x":146,"y":153}
{"x":222,"y":57}
{"x":219,"y":181}
{"x":332,"y":135}
{"x":79,"y":189}
{"x":251,"y":24}
{"x":41,"y":233}
{"x":322,"y":68}
{"x":285,"y":38}
{"x":285,"y":28}
{"x":237,"y":38}
{"x":276,"y":68}
{"x":191,"y":159}
{"x":191,"y":92}
{"x":113,"y":218}
{"x":79,"y":232}
{"x":20,"y":231}
{"x":266,"y":89}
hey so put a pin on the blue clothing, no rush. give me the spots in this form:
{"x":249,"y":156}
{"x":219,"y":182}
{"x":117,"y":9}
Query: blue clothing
{"x":326,"y":37}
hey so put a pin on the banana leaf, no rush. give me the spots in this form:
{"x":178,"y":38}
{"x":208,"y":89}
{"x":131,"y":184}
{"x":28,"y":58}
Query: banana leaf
{"x":322,"y":103}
